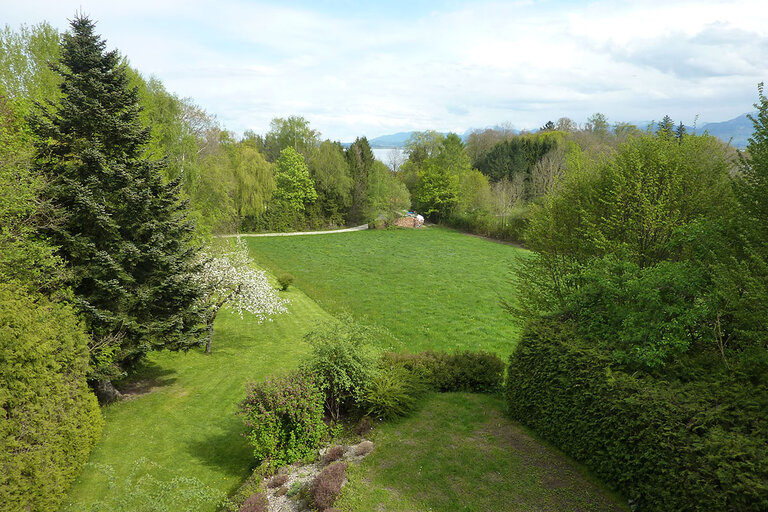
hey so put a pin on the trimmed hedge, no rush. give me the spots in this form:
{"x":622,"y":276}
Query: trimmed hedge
{"x":49,"y":418}
{"x":664,"y":444}
{"x":478,"y":372}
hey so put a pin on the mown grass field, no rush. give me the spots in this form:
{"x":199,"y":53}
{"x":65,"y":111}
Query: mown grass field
{"x":432,"y":288}
{"x":183,"y":424}
{"x":177,"y":444}
{"x":459,"y":453}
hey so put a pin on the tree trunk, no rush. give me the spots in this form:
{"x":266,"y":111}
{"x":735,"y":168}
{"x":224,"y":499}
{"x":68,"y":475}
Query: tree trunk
{"x":210,"y":338}
{"x":106,"y":392}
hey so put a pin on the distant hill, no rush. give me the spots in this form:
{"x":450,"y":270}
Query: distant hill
{"x":736,"y":130}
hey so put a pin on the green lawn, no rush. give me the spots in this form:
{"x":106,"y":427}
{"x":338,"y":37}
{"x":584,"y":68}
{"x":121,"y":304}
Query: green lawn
{"x":186,"y":425}
{"x":432,"y":288}
{"x":458,"y":453}
{"x":177,"y":444}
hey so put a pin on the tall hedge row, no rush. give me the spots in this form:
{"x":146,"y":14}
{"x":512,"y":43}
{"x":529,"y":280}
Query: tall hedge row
{"x":49,"y":419}
{"x":664,"y":444}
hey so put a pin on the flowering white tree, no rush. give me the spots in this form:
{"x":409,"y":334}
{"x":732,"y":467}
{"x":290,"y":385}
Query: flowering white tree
{"x":229,"y":278}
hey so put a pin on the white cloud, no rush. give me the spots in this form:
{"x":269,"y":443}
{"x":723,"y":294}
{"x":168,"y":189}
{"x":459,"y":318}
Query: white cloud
{"x":476,"y":64}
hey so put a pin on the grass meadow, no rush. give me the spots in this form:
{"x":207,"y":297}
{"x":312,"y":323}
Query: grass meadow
{"x":432,"y":288}
{"x":176,"y":444}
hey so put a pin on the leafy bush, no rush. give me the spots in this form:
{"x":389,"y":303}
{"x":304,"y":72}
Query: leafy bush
{"x":393,"y":393}
{"x":327,"y":485}
{"x":284,"y":417}
{"x":343,"y":360}
{"x":49,"y":419}
{"x":479,"y":372}
{"x":692,"y":443}
{"x":285,"y":280}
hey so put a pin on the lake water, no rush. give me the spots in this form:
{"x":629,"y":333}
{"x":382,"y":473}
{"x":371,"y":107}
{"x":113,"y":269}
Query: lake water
{"x":383,"y":154}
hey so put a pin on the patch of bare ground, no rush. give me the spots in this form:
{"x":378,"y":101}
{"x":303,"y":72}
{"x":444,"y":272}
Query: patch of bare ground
{"x":136,"y":388}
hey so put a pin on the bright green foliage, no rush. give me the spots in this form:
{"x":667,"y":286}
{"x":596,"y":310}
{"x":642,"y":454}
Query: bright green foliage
{"x":25,"y":55}
{"x":437,"y":190}
{"x":125,"y":235}
{"x":697,"y":443}
{"x":343,"y":361}
{"x":477,"y":372}
{"x":387,"y":195}
{"x":294,"y":186}
{"x":284,"y":417}
{"x":391,"y":393}
{"x":292,"y":132}
{"x":645,"y":316}
{"x":23,"y":256}
{"x":333,"y":182}
{"x":50,"y":419}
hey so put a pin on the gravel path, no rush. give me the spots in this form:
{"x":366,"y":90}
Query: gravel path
{"x":295,"y":233}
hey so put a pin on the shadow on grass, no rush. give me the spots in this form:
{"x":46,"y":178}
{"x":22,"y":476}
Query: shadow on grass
{"x":226,"y":449}
{"x":147,"y":377}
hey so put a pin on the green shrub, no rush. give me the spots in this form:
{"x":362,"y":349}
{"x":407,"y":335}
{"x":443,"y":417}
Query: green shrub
{"x":343,"y":361}
{"x":697,"y":443}
{"x":284,"y":417}
{"x":393,"y":393}
{"x":49,"y":419}
{"x":285,"y":280}
{"x":478,"y":372}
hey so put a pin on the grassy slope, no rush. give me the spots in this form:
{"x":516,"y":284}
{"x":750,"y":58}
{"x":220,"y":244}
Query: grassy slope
{"x":432,"y":288}
{"x":458,"y":453}
{"x":187,"y":426}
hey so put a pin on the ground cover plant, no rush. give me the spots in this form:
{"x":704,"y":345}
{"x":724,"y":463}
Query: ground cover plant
{"x":180,"y":418}
{"x":432,"y":288}
{"x":459,"y":452}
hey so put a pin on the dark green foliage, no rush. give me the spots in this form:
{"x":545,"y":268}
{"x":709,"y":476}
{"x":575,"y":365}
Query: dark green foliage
{"x":284,"y":417}
{"x":49,"y":419}
{"x":646,"y":316}
{"x":478,"y":372}
{"x":393,"y":392}
{"x":514,"y":156}
{"x":125,"y":235}
{"x":360,"y":161}
{"x":697,"y":442}
{"x":285,"y":280}
{"x":327,"y":485}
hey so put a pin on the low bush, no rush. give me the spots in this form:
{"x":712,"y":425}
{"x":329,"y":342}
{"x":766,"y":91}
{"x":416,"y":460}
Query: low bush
{"x":285,"y":280}
{"x":327,"y":485}
{"x":333,"y":454}
{"x":284,"y":418}
{"x":343,"y":360}
{"x":364,"y":448}
{"x":393,"y":393}
{"x":692,"y":442}
{"x":277,"y":481}
{"x":478,"y":372}
{"x":255,"y":503}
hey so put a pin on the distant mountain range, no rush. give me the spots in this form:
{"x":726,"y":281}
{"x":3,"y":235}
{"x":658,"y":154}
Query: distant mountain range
{"x":736,"y":130}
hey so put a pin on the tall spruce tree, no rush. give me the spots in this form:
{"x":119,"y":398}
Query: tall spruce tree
{"x":124,"y":232}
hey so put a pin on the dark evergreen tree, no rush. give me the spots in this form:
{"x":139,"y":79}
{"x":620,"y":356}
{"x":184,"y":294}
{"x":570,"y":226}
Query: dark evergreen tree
{"x":666,"y":127}
{"x":548,"y":127}
{"x":360,"y":159}
{"x":124,"y":233}
{"x":680,"y":131}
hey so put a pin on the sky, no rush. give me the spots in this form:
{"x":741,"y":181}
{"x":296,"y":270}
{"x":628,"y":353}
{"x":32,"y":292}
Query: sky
{"x":354,"y":68}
